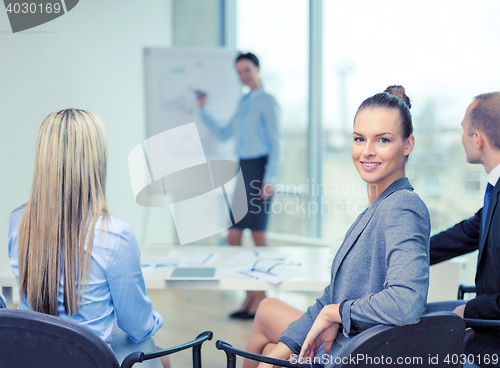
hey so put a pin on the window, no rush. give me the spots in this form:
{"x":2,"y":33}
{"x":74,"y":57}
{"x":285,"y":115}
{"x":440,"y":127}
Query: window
{"x":277,"y":32}
{"x":444,"y":53}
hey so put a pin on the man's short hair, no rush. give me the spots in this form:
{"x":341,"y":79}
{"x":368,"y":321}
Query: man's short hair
{"x":485,"y":116}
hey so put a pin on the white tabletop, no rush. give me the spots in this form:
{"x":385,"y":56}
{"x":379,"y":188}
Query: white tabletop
{"x":7,"y":278}
{"x":313,"y":265}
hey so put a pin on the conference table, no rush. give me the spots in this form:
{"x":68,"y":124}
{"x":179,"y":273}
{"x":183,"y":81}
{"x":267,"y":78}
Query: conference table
{"x":306,"y":267}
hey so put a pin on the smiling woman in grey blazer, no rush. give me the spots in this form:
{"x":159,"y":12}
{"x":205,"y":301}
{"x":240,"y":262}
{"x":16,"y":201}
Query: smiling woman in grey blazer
{"x":380,"y":274}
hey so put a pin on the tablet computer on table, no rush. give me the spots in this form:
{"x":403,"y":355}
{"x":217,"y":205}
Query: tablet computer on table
{"x":192,"y":274}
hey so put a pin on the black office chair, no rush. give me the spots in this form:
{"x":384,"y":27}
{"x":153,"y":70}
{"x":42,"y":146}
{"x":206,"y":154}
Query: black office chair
{"x":32,"y":339}
{"x":450,"y":305}
{"x":439,"y":334}
{"x":476,"y":324}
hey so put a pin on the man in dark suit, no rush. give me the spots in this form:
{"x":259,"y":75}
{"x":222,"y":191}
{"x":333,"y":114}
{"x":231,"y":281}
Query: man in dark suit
{"x":481,"y":140}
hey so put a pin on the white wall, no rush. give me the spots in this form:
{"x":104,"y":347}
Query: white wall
{"x":90,"y":58}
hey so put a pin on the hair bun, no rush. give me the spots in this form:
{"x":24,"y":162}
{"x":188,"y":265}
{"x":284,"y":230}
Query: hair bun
{"x":399,"y":92}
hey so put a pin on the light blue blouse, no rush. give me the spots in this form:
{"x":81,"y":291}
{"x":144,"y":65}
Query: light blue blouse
{"x":116,"y":286}
{"x":256,"y":126}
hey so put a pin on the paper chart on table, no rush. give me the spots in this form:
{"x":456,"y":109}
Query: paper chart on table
{"x":250,"y":256}
{"x":277,"y":275}
{"x":180,"y":258}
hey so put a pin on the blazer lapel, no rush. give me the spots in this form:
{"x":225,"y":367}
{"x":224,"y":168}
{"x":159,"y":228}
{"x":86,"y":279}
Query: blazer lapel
{"x":350,"y":239}
{"x":489,"y":215}
{"x":358,"y":228}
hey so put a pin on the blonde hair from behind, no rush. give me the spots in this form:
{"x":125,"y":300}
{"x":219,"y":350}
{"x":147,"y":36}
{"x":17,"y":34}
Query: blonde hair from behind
{"x":67,"y":197}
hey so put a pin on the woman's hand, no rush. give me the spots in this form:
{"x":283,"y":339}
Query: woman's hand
{"x":266,"y":191}
{"x":324,"y":329}
{"x":202,"y":98}
{"x":280,"y":351}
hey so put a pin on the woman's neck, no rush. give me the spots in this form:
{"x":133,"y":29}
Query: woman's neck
{"x":376,"y":189}
{"x":373,"y":193}
{"x":255,"y":86}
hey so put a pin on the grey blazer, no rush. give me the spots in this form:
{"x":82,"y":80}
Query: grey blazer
{"x":380,"y":274}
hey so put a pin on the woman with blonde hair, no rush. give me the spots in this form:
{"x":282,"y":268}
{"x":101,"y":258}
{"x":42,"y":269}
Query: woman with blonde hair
{"x":71,"y":258}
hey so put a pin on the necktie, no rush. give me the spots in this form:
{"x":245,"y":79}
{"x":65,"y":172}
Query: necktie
{"x":487,"y":197}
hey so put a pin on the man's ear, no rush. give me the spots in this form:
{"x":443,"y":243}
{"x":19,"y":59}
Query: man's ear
{"x":481,"y":139}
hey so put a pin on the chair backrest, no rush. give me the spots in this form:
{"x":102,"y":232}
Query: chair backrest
{"x":32,"y":339}
{"x":436,"y":341}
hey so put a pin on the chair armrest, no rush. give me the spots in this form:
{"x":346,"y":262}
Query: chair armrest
{"x":3,"y":302}
{"x":231,"y":354}
{"x":482,"y":323}
{"x":469,"y":334}
{"x":473,"y":322}
{"x":139,"y":357}
{"x":446,"y":306}
{"x":462,"y":289}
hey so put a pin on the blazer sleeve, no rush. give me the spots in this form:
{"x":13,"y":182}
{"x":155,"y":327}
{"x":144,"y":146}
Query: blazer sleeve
{"x":406,"y":229}
{"x":483,"y":307}
{"x":486,"y":305}
{"x":296,"y":333}
{"x":460,"y":239}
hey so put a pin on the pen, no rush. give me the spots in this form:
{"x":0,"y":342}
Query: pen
{"x":247,"y":274}
{"x":206,"y":259}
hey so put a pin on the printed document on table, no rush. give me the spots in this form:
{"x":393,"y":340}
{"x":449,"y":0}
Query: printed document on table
{"x":177,"y":258}
{"x":250,"y":256}
{"x":278,"y":274}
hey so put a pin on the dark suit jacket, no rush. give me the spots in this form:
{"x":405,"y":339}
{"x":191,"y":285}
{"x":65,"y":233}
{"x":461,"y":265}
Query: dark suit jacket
{"x":466,"y":237}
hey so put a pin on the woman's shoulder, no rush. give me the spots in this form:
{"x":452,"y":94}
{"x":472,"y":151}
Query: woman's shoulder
{"x":403,"y":200}
{"x":266,"y":97}
{"x":113,"y":233}
{"x":114,"y":225}
{"x":15,"y":218}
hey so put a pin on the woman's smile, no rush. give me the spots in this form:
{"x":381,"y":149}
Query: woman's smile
{"x":370,"y":166}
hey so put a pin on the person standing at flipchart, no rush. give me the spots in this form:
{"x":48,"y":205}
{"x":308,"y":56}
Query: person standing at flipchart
{"x":259,"y":146}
